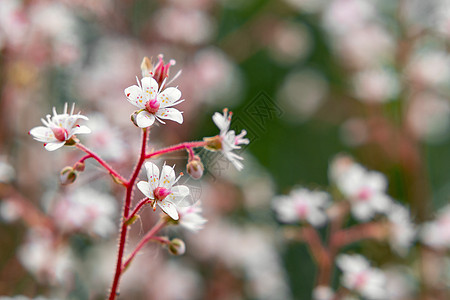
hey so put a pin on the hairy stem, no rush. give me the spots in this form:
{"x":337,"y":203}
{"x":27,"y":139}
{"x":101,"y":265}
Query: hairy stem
{"x":148,"y":237}
{"x":126,"y":210}
{"x":188,"y":146}
{"x":137,"y":209}
{"x":101,"y":162}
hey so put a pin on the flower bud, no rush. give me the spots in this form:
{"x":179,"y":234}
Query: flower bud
{"x":133,"y":117}
{"x":177,"y":247}
{"x":213,"y":143}
{"x":67,"y":175}
{"x":79,"y":166}
{"x":195,"y":168}
{"x":147,"y":67}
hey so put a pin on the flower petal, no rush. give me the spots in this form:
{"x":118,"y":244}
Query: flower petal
{"x":169,"y":208}
{"x":135,"y":96}
{"x":43,"y":134}
{"x":167,"y":177}
{"x":145,"y":119}
{"x":81,"y":130}
{"x":234,"y":159}
{"x":179,"y":193}
{"x":169,"y":97}
{"x":149,"y":87}
{"x":180,"y":190}
{"x":222,"y":122}
{"x":170,"y":114}
{"x":152,"y":175}
{"x":144,"y":187}
{"x":52,"y":146}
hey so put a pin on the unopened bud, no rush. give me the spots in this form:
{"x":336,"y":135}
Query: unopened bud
{"x":147,"y":67}
{"x":177,"y":247}
{"x":67,"y":175}
{"x":195,"y":168}
{"x":79,"y":166}
{"x":213,"y":143}
{"x":133,"y":117}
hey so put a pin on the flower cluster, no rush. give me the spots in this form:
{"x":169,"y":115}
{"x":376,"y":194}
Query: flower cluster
{"x":362,"y":193}
{"x":91,"y":212}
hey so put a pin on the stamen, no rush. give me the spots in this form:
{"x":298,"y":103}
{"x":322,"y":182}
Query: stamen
{"x":162,"y":84}
{"x":139,"y":84}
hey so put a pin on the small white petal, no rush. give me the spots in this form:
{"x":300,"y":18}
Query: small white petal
{"x":362,"y":211}
{"x":144,"y":187}
{"x":81,"y":130}
{"x":170,"y":114}
{"x":221,"y":121}
{"x":167,"y":177}
{"x":145,"y":119}
{"x":135,"y":96}
{"x":149,"y":87}
{"x":152,"y":174}
{"x":169,"y":97}
{"x":169,"y":208}
{"x":43,"y":134}
{"x":54,"y":145}
{"x":180,"y":190}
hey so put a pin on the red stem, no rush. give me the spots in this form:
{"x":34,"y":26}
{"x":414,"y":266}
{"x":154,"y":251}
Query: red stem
{"x":187,"y":145}
{"x":81,"y":160}
{"x":101,"y":162}
{"x":137,"y":208}
{"x":149,"y":236}
{"x":126,"y":210}
{"x":356,"y":233}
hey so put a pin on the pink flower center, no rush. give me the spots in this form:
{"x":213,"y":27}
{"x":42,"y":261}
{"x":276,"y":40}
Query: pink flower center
{"x":361,"y":280}
{"x":152,"y":106}
{"x":302,"y":210}
{"x":365,"y":194}
{"x":60,"y":133}
{"x":161,"y":193}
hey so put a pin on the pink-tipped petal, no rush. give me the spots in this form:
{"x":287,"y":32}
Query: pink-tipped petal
{"x":81,"y":130}
{"x":145,"y":119}
{"x":54,"y":145}
{"x":135,"y":96}
{"x":170,"y":114}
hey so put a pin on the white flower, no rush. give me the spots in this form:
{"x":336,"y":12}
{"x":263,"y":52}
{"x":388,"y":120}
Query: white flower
{"x":366,"y":191}
{"x":161,"y":190}
{"x":46,"y":259}
{"x":323,"y":292}
{"x":154,"y":103}
{"x":358,"y":276}
{"x":402,"y":231}
{"x":191,"y":218}
{"x":228,"y":138}
{"x":58,"y":129}
{"x":436,"y":234}
{"x":86,"y":210}
{"x":7,"y":172}
{"x":302,"y":205}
